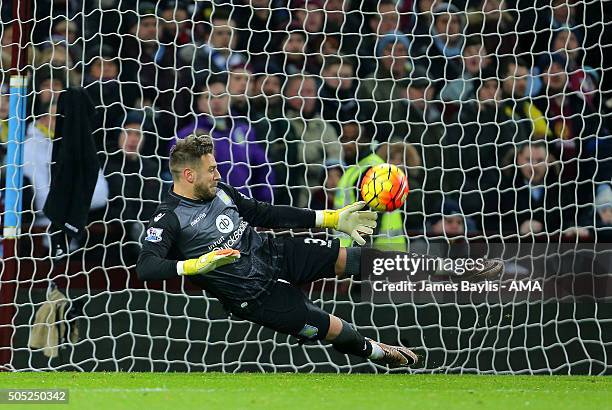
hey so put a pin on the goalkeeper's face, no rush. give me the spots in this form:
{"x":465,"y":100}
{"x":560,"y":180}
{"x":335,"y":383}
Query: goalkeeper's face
{"x":206,"y":178}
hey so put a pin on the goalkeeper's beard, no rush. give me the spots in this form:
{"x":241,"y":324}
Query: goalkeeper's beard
{"x":204,"y":191}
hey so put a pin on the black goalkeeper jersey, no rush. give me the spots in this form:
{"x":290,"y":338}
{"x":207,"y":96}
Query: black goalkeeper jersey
{"x":182,"y":229}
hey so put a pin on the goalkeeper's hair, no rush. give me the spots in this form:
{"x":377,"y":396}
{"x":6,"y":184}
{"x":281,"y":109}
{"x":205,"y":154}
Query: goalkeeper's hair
{"x":188,"y":151}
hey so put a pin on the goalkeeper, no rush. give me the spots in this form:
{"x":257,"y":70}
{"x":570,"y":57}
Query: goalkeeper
{"x":204,"y":230}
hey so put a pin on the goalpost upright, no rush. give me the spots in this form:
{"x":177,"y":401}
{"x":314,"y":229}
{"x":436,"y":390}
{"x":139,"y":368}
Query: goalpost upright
{"x":14,"y":174}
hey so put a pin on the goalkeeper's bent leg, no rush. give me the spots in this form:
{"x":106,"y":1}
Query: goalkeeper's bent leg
{"x":346,"y":339}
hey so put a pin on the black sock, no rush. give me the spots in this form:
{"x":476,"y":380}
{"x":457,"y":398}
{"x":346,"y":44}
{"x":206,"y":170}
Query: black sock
{"x":350,"y":341}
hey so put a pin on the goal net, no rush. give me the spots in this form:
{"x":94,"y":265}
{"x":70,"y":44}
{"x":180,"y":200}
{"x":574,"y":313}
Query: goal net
{"x":497,"y":111}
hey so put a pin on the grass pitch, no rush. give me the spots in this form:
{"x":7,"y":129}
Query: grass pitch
{"x":178,"y":391}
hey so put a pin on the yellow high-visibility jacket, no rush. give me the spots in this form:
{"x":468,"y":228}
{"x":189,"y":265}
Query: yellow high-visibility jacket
{"x":391,"y":235}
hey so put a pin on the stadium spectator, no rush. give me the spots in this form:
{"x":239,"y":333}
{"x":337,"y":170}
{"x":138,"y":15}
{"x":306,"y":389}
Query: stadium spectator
{"x":534,"y":200}
{"x":217,"y":51}
{"x":102,"y":84}
{"x":385,"y":19}
{"x":332,"y":178}
{"x":266,"y":110}
{"x":48,"y":12}
{"x":48,"y":83}
{"x":379,"y":95}
{"x":331,"y":45}
{"x":450,"y":223}
{"x":573,"y":123}
{"x":241,"y":159}
{"x":417,"y":19}
{"x":293,"y":59}
{"x":338,"y":91}
{"x":404,"y":156}
{"x":37,"y":151}
{"x":582,"y":79}
{"x":424,"y":130}
{"x":271,"y":127}
{"x":392,"y":53}
{"x":266,"y":98}
{"x":603,"y":219}
{"x":532,"y":28}
{"x":496,"y":24}
{"x":259,"y":29}
{"x":66,"y":32}
{"x":516,"y":104}
{"x":565,"y":42}
{"x":443,"y":57}
{"x":103,"y":68}
{"x":596,"y":223}
{"x":53,"y":54}
{"x":239,"y":88}
{"x":483,"y":136}
{"x":446,"y":231}
{"x":564,"y":13}
{"x":311,"y":142}
{"x":133,"y":181}
{"x":148,"y":68}
{"x":175,"y":35}
{"x":322,"y":195}
{"x":344,"y":24}
{"x":175,"y":21}
{"x":407,"y":15}
{"x":380,"y":23}
{"x":475,"y":60}
{"x":310,"y":17}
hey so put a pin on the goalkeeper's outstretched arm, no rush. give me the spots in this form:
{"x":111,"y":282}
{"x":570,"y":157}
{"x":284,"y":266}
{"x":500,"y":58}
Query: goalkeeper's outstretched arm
{"x":265,"y":215}
{"x":349,"y":219}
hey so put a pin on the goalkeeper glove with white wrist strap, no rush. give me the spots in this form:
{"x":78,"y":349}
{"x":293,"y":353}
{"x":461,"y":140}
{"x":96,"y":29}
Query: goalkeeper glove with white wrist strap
{"x":207,"y":262}
{"x":349,"y":220}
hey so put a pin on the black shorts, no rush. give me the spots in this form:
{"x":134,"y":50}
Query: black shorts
{"x":306,"y":259}
{"x":286,"y":308}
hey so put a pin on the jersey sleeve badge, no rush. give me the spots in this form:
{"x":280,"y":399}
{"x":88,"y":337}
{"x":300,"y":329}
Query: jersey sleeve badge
{"x":154,"y":234}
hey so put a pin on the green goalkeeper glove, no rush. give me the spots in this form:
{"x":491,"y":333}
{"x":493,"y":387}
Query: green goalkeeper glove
{"x":349,"y":220}
{"x":207,"y":262}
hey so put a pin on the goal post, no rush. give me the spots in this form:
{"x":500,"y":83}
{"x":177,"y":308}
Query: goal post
{"x":14,"y":173}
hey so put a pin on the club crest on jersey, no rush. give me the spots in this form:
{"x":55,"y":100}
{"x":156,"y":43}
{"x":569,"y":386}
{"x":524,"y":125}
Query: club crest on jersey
{"x":158,"y":217}
{"x":224,"y":224}
{"x":154,"y":234}
{"x":224,"y":197}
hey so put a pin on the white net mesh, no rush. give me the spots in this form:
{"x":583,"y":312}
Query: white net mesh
{"x":497,"y":110}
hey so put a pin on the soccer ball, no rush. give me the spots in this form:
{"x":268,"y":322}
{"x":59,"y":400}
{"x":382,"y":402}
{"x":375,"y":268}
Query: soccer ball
{"x":384,"y":187}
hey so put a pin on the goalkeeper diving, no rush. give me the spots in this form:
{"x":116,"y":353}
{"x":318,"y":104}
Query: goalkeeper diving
{"x":204,"y":229}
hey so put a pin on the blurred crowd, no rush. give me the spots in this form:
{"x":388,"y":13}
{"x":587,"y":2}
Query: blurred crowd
{"x":496,"y":109}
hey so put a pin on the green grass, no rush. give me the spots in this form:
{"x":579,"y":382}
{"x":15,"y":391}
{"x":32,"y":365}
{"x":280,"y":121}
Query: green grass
{"x":178,"y":391}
